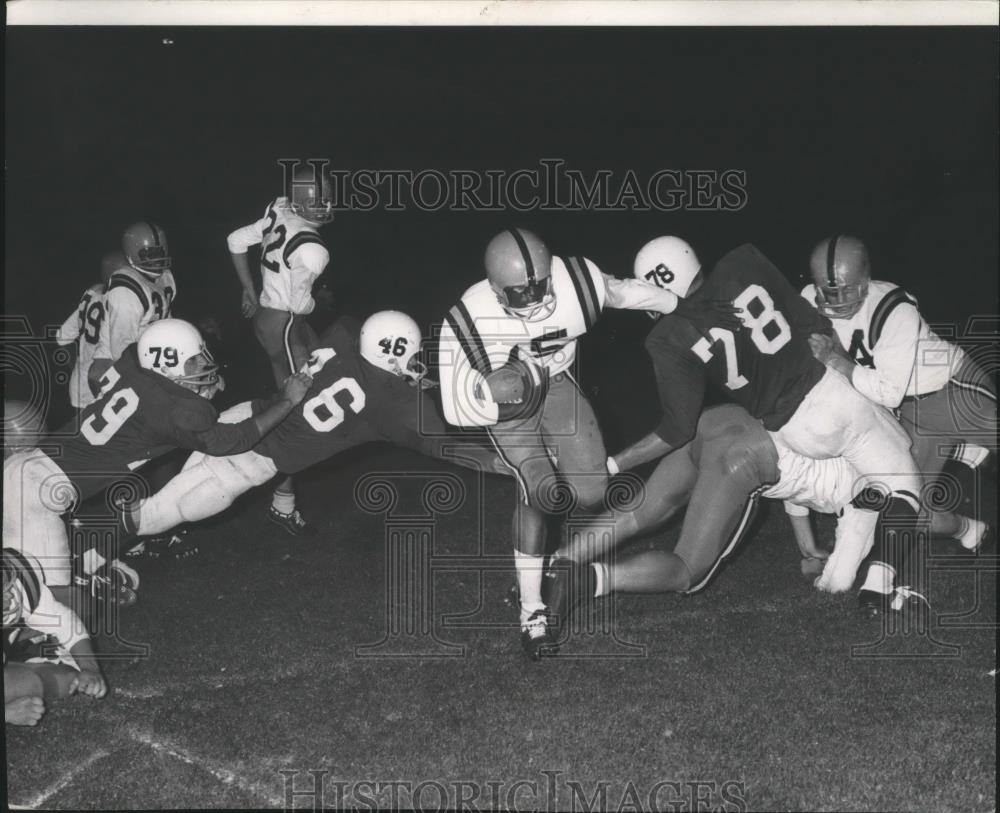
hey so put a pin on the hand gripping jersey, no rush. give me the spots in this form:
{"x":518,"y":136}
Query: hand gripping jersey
{"x":84,"y":326}
{"x":138,"y":416}
{"x":896,"y":351}
{"x":292,"y":256}
{"x":133,"y":301}
{"x":766,"y":366}
{"x":479,"y":336}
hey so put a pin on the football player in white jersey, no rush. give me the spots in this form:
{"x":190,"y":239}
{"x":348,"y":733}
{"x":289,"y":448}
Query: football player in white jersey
{"x":138,"y":294}
{"x":292,"y":257}
{"x":941,"y":395}
{"x":532,"y":307}
{"x":84,"y":327}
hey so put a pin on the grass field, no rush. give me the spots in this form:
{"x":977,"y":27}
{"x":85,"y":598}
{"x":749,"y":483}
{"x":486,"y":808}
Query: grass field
{"x":753,"y":694}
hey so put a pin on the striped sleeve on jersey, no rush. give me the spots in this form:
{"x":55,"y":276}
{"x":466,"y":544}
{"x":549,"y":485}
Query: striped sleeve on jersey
{"x":464,"y":328}
{"x":300,"y":240}
{"x":125,"y":281}
{"x":586,"y":293}
{"x":18,"y":568}
{"x":883,"y":310}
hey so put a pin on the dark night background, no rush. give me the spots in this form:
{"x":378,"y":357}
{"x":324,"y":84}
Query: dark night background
{"x":890,"y":134}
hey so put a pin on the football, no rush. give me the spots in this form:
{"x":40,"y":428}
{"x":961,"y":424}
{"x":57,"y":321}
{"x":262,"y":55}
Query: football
{"x":517,"y":382}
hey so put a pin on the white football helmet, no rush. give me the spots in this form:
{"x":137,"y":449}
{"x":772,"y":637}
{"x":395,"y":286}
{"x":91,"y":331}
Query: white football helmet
{"x":391,"y":340}
{"x":669,"y":263}
{"x":841,"y":272}
{"x":174,"y":349}
{"x":519,"y":269}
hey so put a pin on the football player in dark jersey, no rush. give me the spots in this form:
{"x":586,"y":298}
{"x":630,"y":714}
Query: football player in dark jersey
{"x":767,"y":366}
{"x":365,"y":388}
{"x":153,"y":400}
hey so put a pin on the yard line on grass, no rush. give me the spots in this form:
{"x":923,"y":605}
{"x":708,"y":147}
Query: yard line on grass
{"x":223,"y":774}
{"x":65,"y":780}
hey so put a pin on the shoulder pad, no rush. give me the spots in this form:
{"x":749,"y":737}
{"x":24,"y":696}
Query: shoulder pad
{"x":582,"y":277}
{"x":122,"y":279}
{"x":299,"y":240}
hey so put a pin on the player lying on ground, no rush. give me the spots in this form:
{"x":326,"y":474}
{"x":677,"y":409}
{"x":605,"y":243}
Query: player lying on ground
{"x":767,"y":366}
{"x":942,"y":396}
{"x":365,"y":388}
{"x":47,"y":654}
{"x":530,"y":310}
{"x":718,"y":477}
{"x":293,"y":256}
{"x":153,"y":400}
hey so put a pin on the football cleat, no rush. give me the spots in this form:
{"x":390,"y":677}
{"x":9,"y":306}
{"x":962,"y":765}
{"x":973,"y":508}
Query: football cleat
{"x":169,"y":546}
{"x":567,"y":585}
{"x":873,"y":603}
{"x":293,"y":522}
{"x":116,"y":583}
{"x":536,"y":636}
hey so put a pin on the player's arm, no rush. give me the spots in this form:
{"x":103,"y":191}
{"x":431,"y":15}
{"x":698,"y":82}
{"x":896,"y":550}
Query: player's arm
{"x":633,"y":294}
{"x":223,"y":439}
{"x":802,"y":528}
{"x":460,"y":378}
{"x":69,"y":331}
{"x":895,"y":355}
{"x":307,"y":264}
{"x":123,"y":315}
{"x":680,"y":381}
{"x":239,"y":243}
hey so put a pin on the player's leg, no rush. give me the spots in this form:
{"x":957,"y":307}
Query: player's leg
{"x":835,"y":419}
{"x":571,"y":432}
{"x":288,"y":340}
{"x":520,"y":446}
{"x":36,"y":494}
{"x":206,"y":486}
{"x":938,"y":424}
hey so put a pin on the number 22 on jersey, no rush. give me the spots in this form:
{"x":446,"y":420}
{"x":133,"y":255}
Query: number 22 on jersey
{"x":767,"y":315}
{"x":326,"y":398}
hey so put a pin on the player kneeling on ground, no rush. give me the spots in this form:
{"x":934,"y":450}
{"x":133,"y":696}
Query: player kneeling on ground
{"x":152,"y":401}
{"x":47,"y":654}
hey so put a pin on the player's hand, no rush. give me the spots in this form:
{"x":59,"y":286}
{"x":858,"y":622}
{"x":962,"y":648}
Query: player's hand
{"x":709,"y":313}
{"x":24,"y":711}
{"x":90,"y":683}
{"x":825,"y":347}
{"x":248,"y":304}
{"x":296,"y":386}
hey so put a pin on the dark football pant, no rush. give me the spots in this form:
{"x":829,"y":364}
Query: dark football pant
{"x":557,"y":457}
{"x":964,"y":410}
{"x":718,"y":476}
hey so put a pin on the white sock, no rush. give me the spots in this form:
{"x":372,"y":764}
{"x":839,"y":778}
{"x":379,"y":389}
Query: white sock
{"x":283,"y":502}
{"x":529,"y":582}
{"x":602,"y":588}
{"x":972,"y":533}
{"x":92,"y":562}
{"x":970,"y":454}
{"x":880,"y":578}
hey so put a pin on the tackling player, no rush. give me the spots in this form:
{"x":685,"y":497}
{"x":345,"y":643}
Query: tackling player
{"x":767,"y":367}
{"x":84,"y":326}
{"x":139,"y":293}
{"x":364,"y":389}
{"x":292,"y":256}
{"x":532,"y":307}
{"x":718,"y":476}
{"x":153,"y":400}
{"x":896,"y":360}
